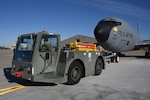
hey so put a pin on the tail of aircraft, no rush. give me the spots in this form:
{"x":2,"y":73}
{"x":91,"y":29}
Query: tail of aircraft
{"x":138,"y":29}
{"x":138,"y":26}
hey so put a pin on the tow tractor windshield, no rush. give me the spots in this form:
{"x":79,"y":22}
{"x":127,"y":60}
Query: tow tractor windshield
{"x":24,"y":48}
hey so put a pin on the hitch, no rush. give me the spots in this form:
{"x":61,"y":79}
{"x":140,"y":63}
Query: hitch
{"x":18,"y":74}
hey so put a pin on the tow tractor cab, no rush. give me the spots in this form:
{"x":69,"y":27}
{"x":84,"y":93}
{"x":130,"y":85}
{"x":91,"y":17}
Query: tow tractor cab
{"x":39,"y":58}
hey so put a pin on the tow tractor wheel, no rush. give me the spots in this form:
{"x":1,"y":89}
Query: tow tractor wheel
{"x":74,"y":73}
{"x":98,"y":66}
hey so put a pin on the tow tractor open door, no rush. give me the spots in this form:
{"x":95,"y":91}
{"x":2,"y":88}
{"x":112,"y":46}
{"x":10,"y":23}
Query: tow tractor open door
{"x":47,"y":54}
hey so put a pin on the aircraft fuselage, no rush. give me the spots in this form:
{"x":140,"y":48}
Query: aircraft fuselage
{"x":115,"y":35}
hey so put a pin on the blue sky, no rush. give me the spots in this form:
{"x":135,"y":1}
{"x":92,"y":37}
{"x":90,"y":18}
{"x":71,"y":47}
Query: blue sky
{"x":67,"y":17}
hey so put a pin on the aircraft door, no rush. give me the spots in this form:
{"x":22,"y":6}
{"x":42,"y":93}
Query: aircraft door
{"x":116,"y":40}
{"x":122,"y":45}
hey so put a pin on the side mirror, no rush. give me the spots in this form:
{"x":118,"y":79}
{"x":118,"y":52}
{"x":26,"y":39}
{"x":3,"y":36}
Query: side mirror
{"x":14,"y":50}
{"x":47,"y":56}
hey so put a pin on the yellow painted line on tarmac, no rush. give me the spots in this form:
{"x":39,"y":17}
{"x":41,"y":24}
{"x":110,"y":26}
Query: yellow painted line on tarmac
{"x":10,"y":89}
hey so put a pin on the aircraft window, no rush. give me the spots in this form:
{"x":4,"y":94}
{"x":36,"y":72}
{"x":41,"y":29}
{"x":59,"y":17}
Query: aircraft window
{"x":128,"y":42}
{"x":118,"y":23}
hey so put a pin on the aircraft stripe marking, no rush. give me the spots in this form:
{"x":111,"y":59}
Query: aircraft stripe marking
{"x":10,"y":89}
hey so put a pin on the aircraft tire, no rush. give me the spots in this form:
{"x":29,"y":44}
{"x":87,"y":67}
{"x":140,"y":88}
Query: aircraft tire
{"x":117,"y":58}
{"x":146,"y":54}
{"x":112,"y":59}
{"x":74,"y":73}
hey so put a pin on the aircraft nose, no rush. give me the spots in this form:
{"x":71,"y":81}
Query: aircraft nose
{"x":102,"y":31}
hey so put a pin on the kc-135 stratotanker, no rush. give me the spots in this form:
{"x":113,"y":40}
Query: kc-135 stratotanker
{"x":117,"y":35}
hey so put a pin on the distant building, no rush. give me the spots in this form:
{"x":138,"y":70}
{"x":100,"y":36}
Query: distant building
{"x":81,"y":38}
{"x":13,"y":46}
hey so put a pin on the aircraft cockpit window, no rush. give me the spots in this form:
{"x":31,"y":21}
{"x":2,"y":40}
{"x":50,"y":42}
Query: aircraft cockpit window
{"x":118,"y":23}
{"x":113,"y":23}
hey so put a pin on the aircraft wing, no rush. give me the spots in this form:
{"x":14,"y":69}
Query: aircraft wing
{"x":144,"y":43}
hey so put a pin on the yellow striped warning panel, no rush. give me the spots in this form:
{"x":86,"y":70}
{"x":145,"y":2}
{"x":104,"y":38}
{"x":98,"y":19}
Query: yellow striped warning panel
{"x":11,"y":89}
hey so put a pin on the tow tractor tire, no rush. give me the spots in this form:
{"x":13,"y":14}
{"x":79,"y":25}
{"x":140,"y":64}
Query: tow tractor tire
{"x":98,"y":66}
{"x":74,"y":73}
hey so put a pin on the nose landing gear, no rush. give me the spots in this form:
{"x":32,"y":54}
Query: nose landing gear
{"x":147,"y":52}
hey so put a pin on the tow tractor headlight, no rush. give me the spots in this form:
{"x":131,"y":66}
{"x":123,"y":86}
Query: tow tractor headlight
{"x":14,"y":67}
{"x":29,"y":70}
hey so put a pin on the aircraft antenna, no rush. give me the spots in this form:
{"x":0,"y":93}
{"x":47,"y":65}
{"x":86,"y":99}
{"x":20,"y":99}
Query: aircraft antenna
{"x":138,"y":26}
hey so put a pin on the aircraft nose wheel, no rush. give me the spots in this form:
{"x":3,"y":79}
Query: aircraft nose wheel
{"x":147,"y":53}
{"x":115,"y":58}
